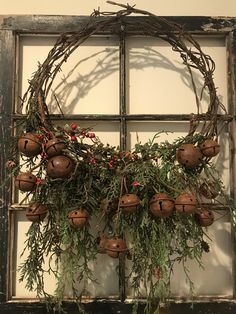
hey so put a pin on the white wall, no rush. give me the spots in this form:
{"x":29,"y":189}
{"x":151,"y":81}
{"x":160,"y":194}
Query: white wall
{"x":85,"y":7}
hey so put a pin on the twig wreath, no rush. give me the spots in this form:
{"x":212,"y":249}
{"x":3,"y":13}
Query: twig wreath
{"x":155,"y":193}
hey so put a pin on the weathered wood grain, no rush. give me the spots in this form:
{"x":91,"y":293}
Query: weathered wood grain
{"x":7,"y":52}
{"x":60,"y":24}
{"x":231,"y":53}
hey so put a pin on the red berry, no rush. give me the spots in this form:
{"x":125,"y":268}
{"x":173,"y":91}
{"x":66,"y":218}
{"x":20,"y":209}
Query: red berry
{"x":40,"y":137}
{"x":91,"y":135}
{"x":44,"y":155}
{"x":73,"y":126}
{"x":110,"y":164}
{"x":73,"y":138}
{"x":83,"y":134}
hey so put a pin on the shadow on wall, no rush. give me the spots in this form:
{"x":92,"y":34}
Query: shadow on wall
{"x":215,"y":277}
{"x":82,"y":78}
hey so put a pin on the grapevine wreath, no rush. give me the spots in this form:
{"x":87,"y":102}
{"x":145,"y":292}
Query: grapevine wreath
{"x":162,"y":195}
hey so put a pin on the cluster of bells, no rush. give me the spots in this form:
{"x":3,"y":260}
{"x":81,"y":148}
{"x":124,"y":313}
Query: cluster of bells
{"x":58,"y":165}
{"x":78,"y":218}
{"x":161,"y":205}
{"x":190,"y":155}
{"x":61,"y":166}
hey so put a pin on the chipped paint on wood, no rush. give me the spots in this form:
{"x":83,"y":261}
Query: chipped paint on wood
{"x":58,"y":23}
{"x":7,"y":51}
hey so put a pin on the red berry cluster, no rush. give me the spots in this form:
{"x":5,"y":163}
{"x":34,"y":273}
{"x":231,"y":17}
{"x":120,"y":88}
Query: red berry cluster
{"x":74,"y":128}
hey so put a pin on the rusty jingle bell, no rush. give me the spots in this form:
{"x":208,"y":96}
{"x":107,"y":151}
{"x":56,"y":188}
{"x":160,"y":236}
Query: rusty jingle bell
{"x":36,"y":212}
{"x":185,"y":203}
{"x":204,"y":217}
{"x":101,"y":244}
{"x":29,"y":145}
{"x":161,"y":205}
{"x":55,"y":147}
{"x":129,"y":203}
{"x":210,"y":148}
{"x":189,"y":155}
{"x":115,"y":247}
{"x":78,"y":218}
{"x":60,"y":167}
{"x":25,"y":181}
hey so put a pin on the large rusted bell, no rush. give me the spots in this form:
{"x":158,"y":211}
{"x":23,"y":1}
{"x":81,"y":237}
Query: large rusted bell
{"x":204,"y":217}
{"x":185,"y":203}
{"x":78,"y":218}
{"x":60,"y":167}
{"x":210,"y":148}
{"x":25,"y":181}
{"x":101,"y":244}
{"x":29,"y":145}
{"x":115,"y":247}
{"x":36,"y":212}
{"x":129,"y":203}
{"x":209,"y":190}
{"x":161,"y":205}
{"x":189,"y":155}
{"x":55,"y":147}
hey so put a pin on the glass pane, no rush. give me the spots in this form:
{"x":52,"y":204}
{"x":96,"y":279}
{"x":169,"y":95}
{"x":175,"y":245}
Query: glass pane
{"x":216,"y":277}
{"x":104,"y":267}
{"x":170,"y":131}
{"x":219,"y":260}
{"x":21,"y":227}
{"x":160,"y":84}
{"x":87,"y":83}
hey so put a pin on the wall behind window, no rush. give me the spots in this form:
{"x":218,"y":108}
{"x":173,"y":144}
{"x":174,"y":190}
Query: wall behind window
{"x":82,"y":7}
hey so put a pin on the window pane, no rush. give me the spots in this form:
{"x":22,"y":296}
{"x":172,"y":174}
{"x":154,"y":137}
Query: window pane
{"x":216,"y":277}
{"x":104,"y":267}
{"x":160,"y":84}
{"x":218,"y":263}
{"x":87,"y":83}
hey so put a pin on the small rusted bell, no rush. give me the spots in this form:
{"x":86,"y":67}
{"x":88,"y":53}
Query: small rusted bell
{"x":36,"y":212}
{"x":101,"y":244}
{"x":185,"y":203}
{"x":210,"y":148}
{"x":29,"y":145}
{"x":209,"y":190}
{"x":115,"y":247}
{"x":78,"y":218}
{"x":25,"y":181}
{"x":161,"y":205}
{"x":129,"y":203}
{"x":204,"y":217}
{"x":60,"y":167}
{"x":55,"y":147}
{"x":189,"y":155}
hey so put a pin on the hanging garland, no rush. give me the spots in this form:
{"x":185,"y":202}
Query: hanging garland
{"x":155,"y":193}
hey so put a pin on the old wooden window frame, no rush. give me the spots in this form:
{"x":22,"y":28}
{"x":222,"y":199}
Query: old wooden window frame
{"x":10,"y":29}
